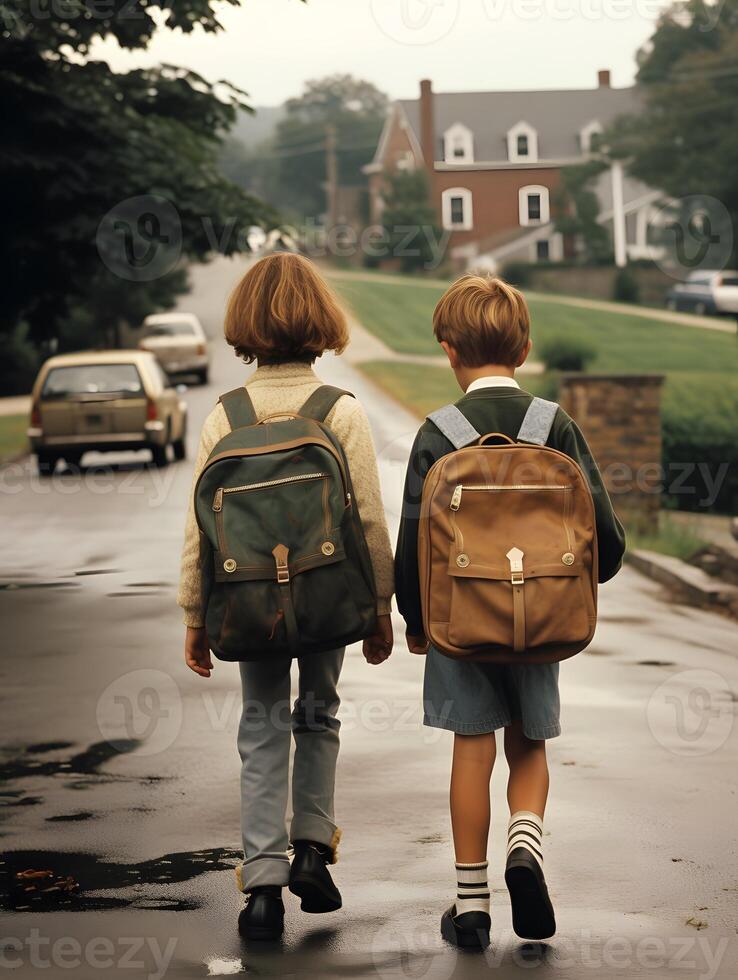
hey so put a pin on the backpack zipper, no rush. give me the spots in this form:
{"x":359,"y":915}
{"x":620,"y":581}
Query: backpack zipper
{"x":460,"y":487}
{"x":265,"y":484}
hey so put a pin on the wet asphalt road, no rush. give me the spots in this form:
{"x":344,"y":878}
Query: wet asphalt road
{"x":120,"y":769}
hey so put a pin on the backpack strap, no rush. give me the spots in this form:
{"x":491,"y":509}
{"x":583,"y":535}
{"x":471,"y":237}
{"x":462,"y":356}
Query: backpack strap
{"x":539,"y":418}
{"x":239,"y":408}
{"x":322,"y":400}
{"x":454,"y":425}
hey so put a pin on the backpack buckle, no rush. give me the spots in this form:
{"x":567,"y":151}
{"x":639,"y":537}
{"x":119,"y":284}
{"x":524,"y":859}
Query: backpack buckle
{"x":280,"y":557}
{"x":515,"y":557}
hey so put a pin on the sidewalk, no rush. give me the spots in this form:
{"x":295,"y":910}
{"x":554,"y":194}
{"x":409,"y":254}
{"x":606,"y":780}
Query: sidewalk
{"x":15,"y":405}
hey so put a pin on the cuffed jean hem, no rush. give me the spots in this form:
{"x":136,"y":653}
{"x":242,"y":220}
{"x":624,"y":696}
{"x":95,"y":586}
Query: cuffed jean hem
{"x":263,"y":871}
{"x":487,"y":727}
{"x":318,"y":829}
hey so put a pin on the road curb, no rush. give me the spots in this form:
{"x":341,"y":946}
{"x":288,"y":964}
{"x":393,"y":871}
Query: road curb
{"x":692,"y":584}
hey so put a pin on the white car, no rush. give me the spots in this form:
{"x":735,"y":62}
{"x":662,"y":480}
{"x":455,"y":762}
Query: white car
{"x":178,"y":342}
{"x":706,"y":292}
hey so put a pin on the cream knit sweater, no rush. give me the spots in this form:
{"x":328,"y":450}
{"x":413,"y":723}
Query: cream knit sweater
{"x":284,"y":388}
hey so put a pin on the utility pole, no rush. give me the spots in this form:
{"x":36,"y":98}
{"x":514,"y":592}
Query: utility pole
{"x":331,"y":171}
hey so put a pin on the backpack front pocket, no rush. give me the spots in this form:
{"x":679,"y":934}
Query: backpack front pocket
{"x":296,"y":514}
{"x":515,"y":571}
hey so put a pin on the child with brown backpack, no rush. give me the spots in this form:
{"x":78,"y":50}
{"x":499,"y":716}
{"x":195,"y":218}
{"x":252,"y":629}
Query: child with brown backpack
{"x":506,"y":530}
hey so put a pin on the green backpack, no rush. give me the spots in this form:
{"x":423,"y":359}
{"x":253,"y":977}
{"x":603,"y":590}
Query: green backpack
{"x":290,"y":572}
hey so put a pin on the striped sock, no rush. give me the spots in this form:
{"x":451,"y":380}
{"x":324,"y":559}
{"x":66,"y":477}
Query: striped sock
{"x":526,"y":830}
{"x":472,"y":893}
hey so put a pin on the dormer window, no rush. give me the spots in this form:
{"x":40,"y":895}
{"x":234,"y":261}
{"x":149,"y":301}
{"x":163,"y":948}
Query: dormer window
{"x":522,"y":143}
{"x":590,"y":136}
{"x":458,"y":144}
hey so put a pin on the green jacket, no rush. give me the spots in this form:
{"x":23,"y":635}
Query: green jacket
{"x":502,"y":410}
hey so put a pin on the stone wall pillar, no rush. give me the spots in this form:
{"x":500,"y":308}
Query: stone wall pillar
{"x":620,"y":416}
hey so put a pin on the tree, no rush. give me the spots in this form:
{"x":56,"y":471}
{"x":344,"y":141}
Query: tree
{"x":578,"y":208}
{"x":89,"y":155}
{"x":685,"y":139}
{"x":355,"y":108}
{"x":410,"y":219}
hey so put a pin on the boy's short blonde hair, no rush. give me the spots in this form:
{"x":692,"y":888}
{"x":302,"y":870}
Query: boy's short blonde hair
{"x":284,"y":310}
{"x":485,"y":320}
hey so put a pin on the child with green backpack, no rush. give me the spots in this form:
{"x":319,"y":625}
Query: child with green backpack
{"x":286,"y":557}
{"x":506,"y":529}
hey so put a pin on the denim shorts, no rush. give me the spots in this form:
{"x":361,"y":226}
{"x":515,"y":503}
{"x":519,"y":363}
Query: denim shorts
{"x":477,"y":698}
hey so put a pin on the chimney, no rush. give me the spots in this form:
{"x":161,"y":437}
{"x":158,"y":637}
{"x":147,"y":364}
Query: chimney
{"x":603,"y":78}
{"x":427,"y":124}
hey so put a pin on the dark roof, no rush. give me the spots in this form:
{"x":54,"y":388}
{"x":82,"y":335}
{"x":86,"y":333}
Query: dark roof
{"x":557,"y":117}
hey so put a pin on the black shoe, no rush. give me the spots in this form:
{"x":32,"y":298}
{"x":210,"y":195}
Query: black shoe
{"x":469,"y":930}
{"x":532,"y":911}
{"x":311,"y":880}
{"x":263,"y":917}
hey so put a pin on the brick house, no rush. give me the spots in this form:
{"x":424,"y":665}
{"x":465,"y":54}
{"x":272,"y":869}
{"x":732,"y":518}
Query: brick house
{"x":494,"y":162}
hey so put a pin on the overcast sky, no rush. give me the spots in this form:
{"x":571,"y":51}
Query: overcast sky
{"x":271,"y":47}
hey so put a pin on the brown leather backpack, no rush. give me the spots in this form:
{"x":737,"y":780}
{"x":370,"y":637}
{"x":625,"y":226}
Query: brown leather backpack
{"x":507,"y":545}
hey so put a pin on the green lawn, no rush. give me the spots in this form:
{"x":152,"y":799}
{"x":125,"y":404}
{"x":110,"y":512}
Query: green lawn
{"x":698,"y":364}
{"x":13,"y":439}
{"x":400,"y":314}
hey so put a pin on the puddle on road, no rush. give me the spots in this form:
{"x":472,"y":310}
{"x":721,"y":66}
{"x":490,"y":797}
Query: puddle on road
{"x":130,"y":595}
{"x":86,"y":763}
{"x":71,"y":817}
{"x":10,"y":798}
{"x":18,"y":586}
{"x":98,"y":571}
{"x":43,"y":881}
{"x":39,"y":748}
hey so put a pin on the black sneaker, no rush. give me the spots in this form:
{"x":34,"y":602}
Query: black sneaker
{"x":311,"y":880}
{"x":532,"y":911}
{"x":470,"y":930}
{"x":263,"y":917}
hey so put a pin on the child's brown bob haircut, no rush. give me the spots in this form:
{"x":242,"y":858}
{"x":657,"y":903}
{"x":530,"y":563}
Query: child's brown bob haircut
{"x":283,"y":310}
{"x":485,"y":320}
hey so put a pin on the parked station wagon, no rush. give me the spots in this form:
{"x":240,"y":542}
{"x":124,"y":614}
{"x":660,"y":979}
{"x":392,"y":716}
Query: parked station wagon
{"x":104,"y":401}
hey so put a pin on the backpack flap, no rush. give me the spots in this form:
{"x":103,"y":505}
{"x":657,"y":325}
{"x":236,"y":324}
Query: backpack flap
{"x":508,"y":554}
{"x":290,"y":574}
